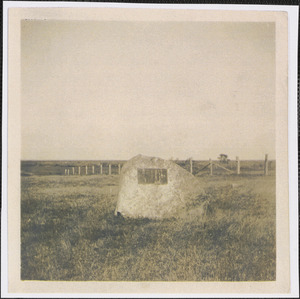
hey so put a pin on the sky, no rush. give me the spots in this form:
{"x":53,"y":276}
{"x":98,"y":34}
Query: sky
{"x":95,"y":90}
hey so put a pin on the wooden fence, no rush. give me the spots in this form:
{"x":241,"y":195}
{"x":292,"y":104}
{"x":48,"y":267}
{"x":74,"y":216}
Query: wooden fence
{"x":212,"y":166}
{"x":94,"y":169}
{"x":236,"y":167}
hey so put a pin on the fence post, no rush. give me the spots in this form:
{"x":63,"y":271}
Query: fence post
{"x":266,"y":170}
{"x":211,"y":167}
{"x":65,"y":171}
{"x":78,"y":170}
{"x":109,"y":169}
{"x":101,"y":171}
{"x":119,"y":168}
{"x":86,"y":170}
{"x":191,"y":166}
{"x":73,"y":170}
{"x":238,"y":169}
{"x":68,"y":171}
{"x":93,"y":169}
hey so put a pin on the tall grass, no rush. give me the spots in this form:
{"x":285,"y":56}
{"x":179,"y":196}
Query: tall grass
{"x":69,"y":233}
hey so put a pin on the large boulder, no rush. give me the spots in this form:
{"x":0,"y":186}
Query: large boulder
{"x":154,"y":188}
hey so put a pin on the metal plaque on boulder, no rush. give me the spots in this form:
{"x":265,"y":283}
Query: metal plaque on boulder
{"x":157,"y":176}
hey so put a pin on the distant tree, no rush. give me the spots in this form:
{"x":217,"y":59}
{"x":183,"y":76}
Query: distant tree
{"x":223,"y":158}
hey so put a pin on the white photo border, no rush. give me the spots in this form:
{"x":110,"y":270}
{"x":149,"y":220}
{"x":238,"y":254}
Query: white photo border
{"x":292,"y":143}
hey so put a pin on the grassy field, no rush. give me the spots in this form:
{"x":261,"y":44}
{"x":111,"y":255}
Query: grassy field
{"x":69,"y":232}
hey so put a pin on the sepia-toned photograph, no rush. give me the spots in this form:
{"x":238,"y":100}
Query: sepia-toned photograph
{"x":151,"y":147}
{"x":144,"y":160}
